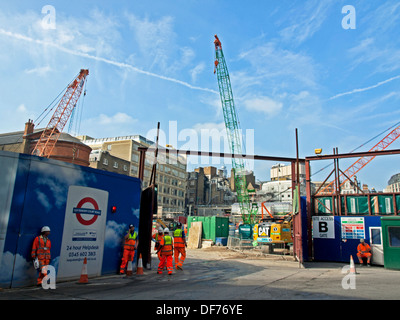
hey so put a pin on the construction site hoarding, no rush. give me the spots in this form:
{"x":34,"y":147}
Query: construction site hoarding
{"x":335,"y":238}
{"x":75,"y":202}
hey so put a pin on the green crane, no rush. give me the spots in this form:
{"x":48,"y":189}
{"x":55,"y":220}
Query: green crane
{"x":247,"y":209}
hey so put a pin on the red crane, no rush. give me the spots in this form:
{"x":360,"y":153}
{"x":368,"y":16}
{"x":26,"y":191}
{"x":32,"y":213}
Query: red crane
{"x":362,"y":162}
{"x":44,"y":147}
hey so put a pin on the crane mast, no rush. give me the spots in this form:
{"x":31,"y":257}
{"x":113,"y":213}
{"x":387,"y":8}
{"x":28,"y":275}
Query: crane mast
{"x":248,"y":211}
{"x":45,"y":145}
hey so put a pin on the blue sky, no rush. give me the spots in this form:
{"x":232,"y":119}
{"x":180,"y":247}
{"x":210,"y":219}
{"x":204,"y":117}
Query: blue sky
{"x":292,"y":65}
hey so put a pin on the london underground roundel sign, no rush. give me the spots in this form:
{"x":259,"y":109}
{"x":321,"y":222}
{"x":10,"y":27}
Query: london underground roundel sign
{"x":79,"y":211}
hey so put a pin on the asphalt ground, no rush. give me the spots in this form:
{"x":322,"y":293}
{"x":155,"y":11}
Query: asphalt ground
{"x":218,"y":275}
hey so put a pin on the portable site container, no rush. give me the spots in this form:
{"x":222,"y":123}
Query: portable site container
{"x":391,"y":241}
{"x":213,"y":227}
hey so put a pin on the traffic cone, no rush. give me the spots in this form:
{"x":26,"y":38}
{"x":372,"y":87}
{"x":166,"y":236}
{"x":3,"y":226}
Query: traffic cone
{"x":84,"y":277}
{"x":140,"y":266}
{"x":352,"y":265}
{"x":129,"y":269}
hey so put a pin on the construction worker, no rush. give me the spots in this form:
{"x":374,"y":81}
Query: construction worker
{"x":130,"y":245}
{"x":179,"y":246}
{"x":41,"y":250}
{"x":364,"y":251}
{"x":166,"y":247}
{"x":157,"y":238}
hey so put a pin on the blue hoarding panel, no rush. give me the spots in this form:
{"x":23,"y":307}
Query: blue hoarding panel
{"x":343,"y":242}
{"x":75,"y":203}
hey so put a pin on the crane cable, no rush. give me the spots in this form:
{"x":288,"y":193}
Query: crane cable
{"x":78,"y":110}
{"x":51,"y":104}
{"x":396,"y":124}
{"x":41,"y":117}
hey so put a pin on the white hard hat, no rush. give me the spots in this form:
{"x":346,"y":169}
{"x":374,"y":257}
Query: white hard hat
{"x":45,"y":228}
{"x":166,"y":230}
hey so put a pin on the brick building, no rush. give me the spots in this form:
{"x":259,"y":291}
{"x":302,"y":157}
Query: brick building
{"x":67,"y":148}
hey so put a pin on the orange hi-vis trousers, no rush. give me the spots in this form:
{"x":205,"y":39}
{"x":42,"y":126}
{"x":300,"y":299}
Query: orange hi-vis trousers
{"x":127,"y":256}
{"x":179,"y":251}
{"x":165,"y":261}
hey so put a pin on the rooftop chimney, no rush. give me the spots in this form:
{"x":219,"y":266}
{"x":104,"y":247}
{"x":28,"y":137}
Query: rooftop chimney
{"x":29,"y":126}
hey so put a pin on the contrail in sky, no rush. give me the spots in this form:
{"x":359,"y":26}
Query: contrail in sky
{"x":364,"y":89}
{"x":108,"y":61}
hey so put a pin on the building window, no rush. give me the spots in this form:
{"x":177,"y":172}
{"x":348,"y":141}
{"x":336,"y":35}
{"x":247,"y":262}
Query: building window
{"x":125,"y":167}
{"x":394,"y":236}
{"x":105,"y":162}
{"x":135,"y":157}
{"x":115,"y":164}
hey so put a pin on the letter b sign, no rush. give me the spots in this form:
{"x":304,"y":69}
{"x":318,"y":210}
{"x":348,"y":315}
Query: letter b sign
{"x":323,"y":226}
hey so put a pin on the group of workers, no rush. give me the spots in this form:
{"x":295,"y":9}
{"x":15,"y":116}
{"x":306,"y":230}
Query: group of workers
{"x":169,"y":247}
{"x":166,"y":247}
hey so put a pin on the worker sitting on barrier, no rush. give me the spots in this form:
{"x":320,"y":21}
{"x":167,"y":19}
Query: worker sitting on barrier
{"x":364,"y":251}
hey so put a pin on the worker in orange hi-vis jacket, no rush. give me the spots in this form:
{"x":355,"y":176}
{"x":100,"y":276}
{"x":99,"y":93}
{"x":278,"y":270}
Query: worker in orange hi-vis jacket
{"x":364,"y":251}
{"x":130,"y":245}
{"x":41,"y":251}
{"x":166,"y":247}
{"x":157,"y":239}
{"x":179,"y":246}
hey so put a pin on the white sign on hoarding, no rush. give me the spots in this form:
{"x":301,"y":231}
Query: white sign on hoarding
{"x":353,"y":228}
{"x":324,"y":227}
{"x":84,"y":232}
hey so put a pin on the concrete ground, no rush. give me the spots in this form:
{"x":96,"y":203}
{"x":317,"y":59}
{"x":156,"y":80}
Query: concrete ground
{"x":217,"y":273}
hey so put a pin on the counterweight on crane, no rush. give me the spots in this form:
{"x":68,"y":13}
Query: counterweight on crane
{"x":248,"y":210}
{"x":44,"y":147}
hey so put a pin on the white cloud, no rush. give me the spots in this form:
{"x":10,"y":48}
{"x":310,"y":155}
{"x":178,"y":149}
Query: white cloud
{"x":40,"y":71}
{"x":154,"y":38}
{"x":198,"y":69}
{"x":383,"y":19}
{"x":304,"y":22}
{"x":21,"y":108}
{"x":118,"y":118}
{"x":114,"y":233}
{"x":364,"y":89}
{"x":264,"y":105}
{"x":42,"y":198}
{"x":283,"y":67}
{"x":104,"y":125}
{"x":23,"y":271}
{"x":122,"y":65}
